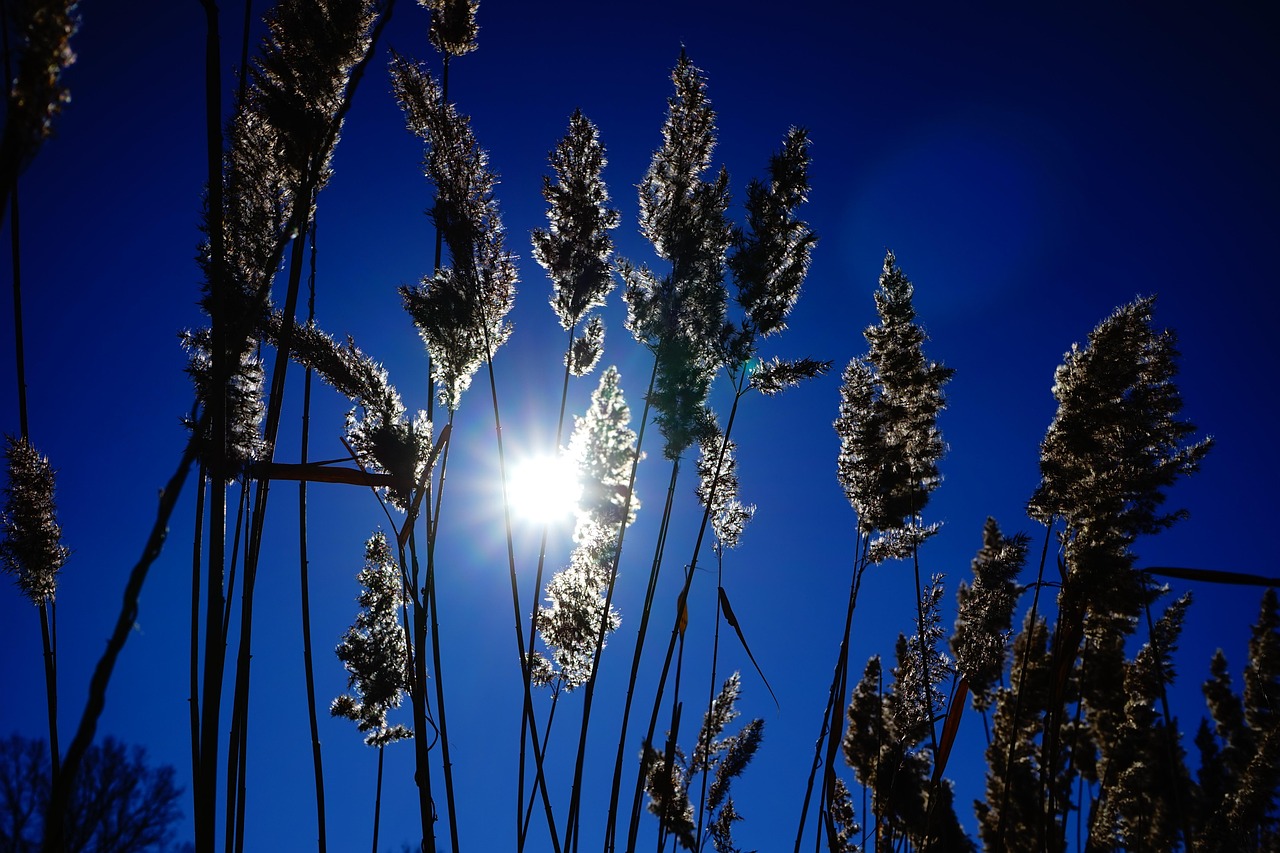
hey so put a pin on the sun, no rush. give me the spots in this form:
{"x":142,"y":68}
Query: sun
{"x":544,"y":489}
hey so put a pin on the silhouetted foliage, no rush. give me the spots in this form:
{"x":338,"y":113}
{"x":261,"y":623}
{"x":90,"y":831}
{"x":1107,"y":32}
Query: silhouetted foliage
{"x":119,"y":803}
{"x":374,"y":650}
{"x":603,"y":448}
{"x":35,"y":95}
{"x":459,"y":310}
{"x":889,"y":439}
{"x":576,"y":247}
{"x":722,"y":759}
{"x":679,"y":316}
{"x":31,"y":548}
{"x":1075,"y":700}
{"x":1239,"y":777}
{"x":985,"y":613}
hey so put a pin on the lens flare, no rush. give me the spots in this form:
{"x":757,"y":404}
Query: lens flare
{"x":544,"y":489}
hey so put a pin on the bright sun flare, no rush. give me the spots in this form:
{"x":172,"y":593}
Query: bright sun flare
{"x":544,"y":489}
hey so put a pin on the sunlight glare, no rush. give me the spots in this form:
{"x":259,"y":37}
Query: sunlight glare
{"x":545,"y":489}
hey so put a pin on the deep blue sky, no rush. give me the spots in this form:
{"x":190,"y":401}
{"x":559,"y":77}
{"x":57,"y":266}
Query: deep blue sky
{"x":1032,"y":166}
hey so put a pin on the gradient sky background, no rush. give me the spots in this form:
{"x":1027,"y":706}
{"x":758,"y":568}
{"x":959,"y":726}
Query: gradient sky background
{"x":1032,"y":166}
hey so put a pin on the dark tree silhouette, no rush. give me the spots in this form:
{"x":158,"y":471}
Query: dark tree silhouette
{"x":119,"y":803}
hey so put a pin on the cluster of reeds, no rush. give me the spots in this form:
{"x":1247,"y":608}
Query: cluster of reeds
{"x":1078,"y":728}
{"x":1082,"y":749}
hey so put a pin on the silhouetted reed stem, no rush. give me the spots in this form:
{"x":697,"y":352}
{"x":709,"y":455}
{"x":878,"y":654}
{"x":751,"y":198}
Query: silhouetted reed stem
{"x":377,"y":800}
{"x":18,"y":340}
{"x":205,"y":770}
{"x":433,"y":614}
{"x":1018,"y":693}
{"x":48,"y":635}
{"x":677,"y":627}
{"x":645,"y":612}
{"x":305,"y":586}
{"x":832,"y":728}
{"x":515,"y":589}
{"x":237,"y":753}
{"x":611,"y":822}
{"x":197,"y":558}
{"x":522,"y":824}
{"x":48,"y":624}
{"x":533,"y":795}
{"x":1172,"y":734}
{"x":712,"y":690}
{"x":924,"y":648}
{"x":242,"y":512}
{"x":418,"y":691}
{"x":60,"y":799}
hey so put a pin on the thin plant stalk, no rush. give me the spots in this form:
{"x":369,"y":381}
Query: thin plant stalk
{"x":533,"y":795}
{"x":515,"y":589}
{"x":1018,"y":695}
{"x":15,"y":245}
{"x":418,"y":693}
{"x":1172,"y":732}
{"x":711,"y":697}
{"x":377,"y":800}
{"x":426,"y":621}
{"x":1085,"y":649}
{"x":924,"y":649}
{"x":305,"y":586}
{"x":415,"y":627}
{"x":242,"y":512}
{"x":611,"y":822}
{"x":48,"y":639}
{"x":237,"y":755}
{"x":433,"y":614}
{"x":835,"y":726}
{"x":18,"y":339}
{"x":48,"y":623}
{"x":677,"y":629}
{"x":205,"y":770}
{"x":197,"y":558}
{"x":60,"y":799}
{"x":832,"y":725}
{"x":521,"y":827}
{"x":650,"y":591}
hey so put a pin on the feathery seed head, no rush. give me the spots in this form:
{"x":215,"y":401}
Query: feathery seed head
{"x":1116,"y":444}
{"x":374,"y":649}
{"x":576,"y":247}
{"x":31,"y":547}
{"x":460,"y":310}
{"x":889,"y":439}
{"x":453,"y":25}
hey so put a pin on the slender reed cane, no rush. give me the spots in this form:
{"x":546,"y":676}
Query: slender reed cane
{"x":60,"y":800}
{"x":1022,"y":683}
{"x":521,"y":825}
{"x":197,"y":557}
{"x":1172,"y":733}
{"x":204,"y":790}
{"x":832,"y":728}
{"x":711,"y":696}
{"x":418,"y":690}
{"x":305,"y":587}
{"x":377,"y":800}
{"x":48,"y":625}
{"x":677,"y":630}
{"x":611,"y":822}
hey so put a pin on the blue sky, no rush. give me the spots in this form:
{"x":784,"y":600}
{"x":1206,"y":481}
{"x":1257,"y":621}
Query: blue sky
{"x":1032,"y":166}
